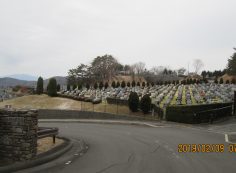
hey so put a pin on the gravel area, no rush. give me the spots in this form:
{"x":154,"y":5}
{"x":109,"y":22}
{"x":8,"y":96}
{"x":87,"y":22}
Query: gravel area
{"x":45,"y":144}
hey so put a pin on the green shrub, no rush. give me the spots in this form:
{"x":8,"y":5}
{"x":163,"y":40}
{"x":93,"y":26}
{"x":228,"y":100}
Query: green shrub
{"x":117,"y":84}
{"x":113,"y":84}
{"x":133,"y":83}
{"x":145,"y":104}
{"x":233,"y":81}
{"x":133,"y":101}
{"x":123,"y":84}
{"x":221,"y":81}
{"x":95,"y":86}
{"x":100,"y":85}
{"x":106,"y":85}
{"x":52,"y":87}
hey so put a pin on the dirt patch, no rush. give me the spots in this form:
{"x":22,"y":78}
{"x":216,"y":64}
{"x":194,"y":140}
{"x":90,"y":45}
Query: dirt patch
{"x":46,"y":144}
{"x":65,"y":105}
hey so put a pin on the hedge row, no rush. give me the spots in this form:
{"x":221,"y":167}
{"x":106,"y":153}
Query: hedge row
{"x":198,"y":113}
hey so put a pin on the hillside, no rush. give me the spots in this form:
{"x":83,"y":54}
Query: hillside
{"x":24,"y":77}
{"x":46,"y":102}
{"x":6,"y":82}
{"x":227,"y":77}
{"x":11,"y":82}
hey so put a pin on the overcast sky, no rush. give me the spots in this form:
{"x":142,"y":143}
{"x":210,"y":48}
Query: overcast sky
{"x":48,"y":37}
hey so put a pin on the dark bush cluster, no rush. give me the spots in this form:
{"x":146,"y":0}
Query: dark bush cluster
{"x":145,"y":104}
{"x":133,"y":101}
{"x":52,"y":87}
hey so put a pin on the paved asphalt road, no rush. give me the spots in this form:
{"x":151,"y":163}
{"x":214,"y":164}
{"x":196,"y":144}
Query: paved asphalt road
{"x":141,"y":149}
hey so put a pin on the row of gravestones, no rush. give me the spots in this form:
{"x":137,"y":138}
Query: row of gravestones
{"x":201,"y":93}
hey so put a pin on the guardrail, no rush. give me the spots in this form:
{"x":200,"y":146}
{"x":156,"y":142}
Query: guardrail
{"x":48,"y":132}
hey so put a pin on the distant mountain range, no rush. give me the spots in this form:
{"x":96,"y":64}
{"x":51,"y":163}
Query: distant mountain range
{"x":10,"y":82}
{"x":24,"y":77}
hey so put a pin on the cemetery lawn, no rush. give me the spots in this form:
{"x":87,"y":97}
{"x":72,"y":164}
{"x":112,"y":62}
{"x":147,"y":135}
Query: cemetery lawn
{"x":45,"y":102}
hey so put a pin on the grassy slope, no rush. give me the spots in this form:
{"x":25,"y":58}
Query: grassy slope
{"x":46,"y":102}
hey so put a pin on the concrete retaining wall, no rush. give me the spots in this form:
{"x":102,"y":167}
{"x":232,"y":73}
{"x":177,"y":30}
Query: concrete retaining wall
{"x":75,"y":114}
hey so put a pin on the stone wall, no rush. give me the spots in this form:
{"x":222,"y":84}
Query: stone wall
{"x":18,"y":135}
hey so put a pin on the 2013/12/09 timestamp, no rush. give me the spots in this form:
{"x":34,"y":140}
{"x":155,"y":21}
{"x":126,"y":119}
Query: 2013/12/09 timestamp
{"x":206,"y":148}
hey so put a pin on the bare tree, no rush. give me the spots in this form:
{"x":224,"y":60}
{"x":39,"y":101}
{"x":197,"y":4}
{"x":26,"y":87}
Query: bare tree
{"x":181,"y":71}
{"x":104,"y":67}
{"x":139,"y":68}
{"x":157,"y":70}
{"x":197,"y":65}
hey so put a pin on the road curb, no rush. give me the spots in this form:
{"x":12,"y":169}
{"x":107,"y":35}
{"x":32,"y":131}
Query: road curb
{"x":230,"y":137}
{"x":41,"y":158}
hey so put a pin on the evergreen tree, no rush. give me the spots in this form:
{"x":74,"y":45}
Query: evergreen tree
{"x":145,"y":104}
{"x":87,"y":86}
{"x":233,"y":81}
{"x":143,"y":84}
{"x":117,"y":84}
{"x":133,"y":101}
{"x":39,"y":89}
{"x":106,"y":85}
{"x":113,"y":84}
{"x":227,"y":82}
{"x":138,"y":84}
{"x":52,"y":87}
{"x":190,"y":81}
{"x":221,"y":81}
{"x":79,"y":86}
{"x":133,"y":83}
{"x":128,"y":84}
{"x":123,"y":84}
{"x":100,"y":85}
{"x":95,"y":86}
{"x":231,"y":67}
{"x":74,"y":87}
